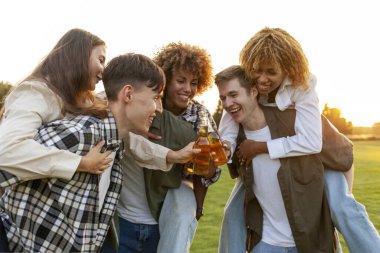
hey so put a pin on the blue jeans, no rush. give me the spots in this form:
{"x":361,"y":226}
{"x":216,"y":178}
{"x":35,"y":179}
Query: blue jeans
{"x":349,"y":216}
{"x":177,"y":220}
{"x":135,"y":238}
{"x":263,"y":247}
{"x":233,"y":233}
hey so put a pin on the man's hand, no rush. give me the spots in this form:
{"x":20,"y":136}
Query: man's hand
{"x":227,"y":148}
{"x":183,"y":155}
{"x":199,"y":213}
{"x":153,"y":136}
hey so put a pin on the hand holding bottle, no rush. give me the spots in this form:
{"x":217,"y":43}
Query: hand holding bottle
{"x":183,"y":155}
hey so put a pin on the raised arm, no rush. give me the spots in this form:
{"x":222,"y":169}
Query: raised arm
{"x":157,"y":157}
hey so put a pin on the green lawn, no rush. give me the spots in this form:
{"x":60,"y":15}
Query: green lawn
{"x":366,"y":191}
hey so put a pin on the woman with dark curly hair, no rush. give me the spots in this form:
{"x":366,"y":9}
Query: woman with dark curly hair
{"x":188,"y":70}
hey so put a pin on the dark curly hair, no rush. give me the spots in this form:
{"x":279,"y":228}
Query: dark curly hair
{"x":182,"y":56}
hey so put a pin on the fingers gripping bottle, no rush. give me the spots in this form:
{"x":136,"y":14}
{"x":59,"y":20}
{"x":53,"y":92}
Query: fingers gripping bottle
{"x":202,"y":160}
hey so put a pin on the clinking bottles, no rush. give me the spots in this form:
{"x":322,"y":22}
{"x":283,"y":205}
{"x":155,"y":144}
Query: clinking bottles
{"x":216,"y":147}
{"x":211,"y":148}
{"x":202,"y":160}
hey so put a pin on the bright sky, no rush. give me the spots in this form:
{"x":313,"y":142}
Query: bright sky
{"x":340,"y":37}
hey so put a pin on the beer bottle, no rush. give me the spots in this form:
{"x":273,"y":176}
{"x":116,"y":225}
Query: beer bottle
{"x":201,"y":160}
{"x":216,"y":147}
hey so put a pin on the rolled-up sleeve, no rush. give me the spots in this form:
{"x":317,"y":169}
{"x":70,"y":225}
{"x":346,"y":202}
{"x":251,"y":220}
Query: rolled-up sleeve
{"x":148,"y":154}
{"x":206,"y":182}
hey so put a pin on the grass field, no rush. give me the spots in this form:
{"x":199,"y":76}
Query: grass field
{"x":366,"y":191}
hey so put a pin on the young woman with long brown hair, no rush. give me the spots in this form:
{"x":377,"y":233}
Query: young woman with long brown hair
{"x":60,"y":85}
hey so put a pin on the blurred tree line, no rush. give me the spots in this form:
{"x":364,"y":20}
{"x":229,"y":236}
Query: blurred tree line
{"x":4,"y":89}
{"x":218,"y":113}
{"x":333,"y":114}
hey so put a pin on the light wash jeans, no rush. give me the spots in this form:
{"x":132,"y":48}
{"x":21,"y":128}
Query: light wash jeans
{"x":177,"y":220}
{"x":349,"y":216}
{"x":263,"y":247}
{"x":233,"y":232}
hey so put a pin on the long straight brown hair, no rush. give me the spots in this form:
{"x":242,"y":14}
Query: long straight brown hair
{"x":66,"y":71}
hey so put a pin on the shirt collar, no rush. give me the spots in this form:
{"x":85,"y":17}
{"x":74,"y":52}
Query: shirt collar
{"x":263,"y":99}
{"x":111,"y":134}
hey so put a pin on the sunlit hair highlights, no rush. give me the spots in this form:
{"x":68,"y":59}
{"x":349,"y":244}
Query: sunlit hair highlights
{"x":182,"y":56}
{"x":66,"y":71}
{"x":276,"y":46}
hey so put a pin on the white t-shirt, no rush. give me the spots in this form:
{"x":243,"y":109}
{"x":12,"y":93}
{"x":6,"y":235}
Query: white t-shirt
{"x":308,"y":123}
{"x":276,"y":228}
{"x":133,"y":204}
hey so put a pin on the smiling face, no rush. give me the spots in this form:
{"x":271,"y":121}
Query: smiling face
{"x":267,"y":78}
{"x":141,"y":109}
{"x":96,"y":65}
{"x":180,"y":90}
{"x":237,"y":101}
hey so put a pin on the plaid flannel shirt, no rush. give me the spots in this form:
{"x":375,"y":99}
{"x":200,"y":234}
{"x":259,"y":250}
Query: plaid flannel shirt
{"x":56,"y":215}
{"x":191,"y":115}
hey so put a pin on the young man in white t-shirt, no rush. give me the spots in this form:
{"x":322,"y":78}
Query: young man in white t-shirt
{"x":244,"y":109}
{"x":273,"y":210}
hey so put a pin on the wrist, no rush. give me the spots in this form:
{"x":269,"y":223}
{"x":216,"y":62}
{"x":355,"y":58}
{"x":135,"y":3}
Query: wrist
{"x":200,"y":211}
{"x":82,"y":165}
{"x":211,"y":172}
{"x":262,"y":147}
{"x":265,"y":147}
{"x":170,"y":156}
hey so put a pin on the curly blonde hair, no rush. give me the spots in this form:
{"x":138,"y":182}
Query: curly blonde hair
{"x":277,"y":47}
{"x":182,"y":56}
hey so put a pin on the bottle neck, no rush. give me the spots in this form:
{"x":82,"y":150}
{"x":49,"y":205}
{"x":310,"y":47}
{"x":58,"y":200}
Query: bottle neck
{"x":203,"y":131}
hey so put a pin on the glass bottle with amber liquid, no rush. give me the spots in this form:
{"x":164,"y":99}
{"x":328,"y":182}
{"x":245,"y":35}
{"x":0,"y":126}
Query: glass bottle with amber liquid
{"x":202,"y":160}
{"x":216,"y":148}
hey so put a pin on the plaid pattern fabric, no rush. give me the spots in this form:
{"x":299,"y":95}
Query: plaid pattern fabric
{"x":56,"y":215}
{"x":191,"y":115}
{"x":7,"y":179}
